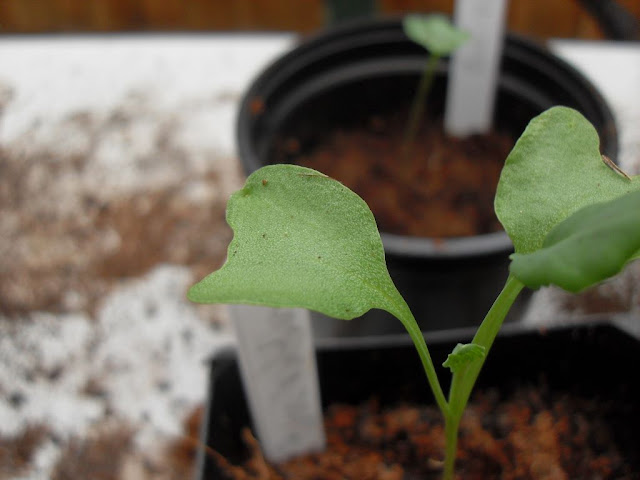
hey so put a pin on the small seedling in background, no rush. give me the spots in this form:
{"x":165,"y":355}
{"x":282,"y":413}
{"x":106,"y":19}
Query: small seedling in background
{"x":304,"y":240}
{"x":440,"y":38}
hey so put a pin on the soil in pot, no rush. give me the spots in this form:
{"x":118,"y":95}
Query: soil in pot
{"x":437,"y":187}
{"x":528,"y":435}
{"x":559,"y":403}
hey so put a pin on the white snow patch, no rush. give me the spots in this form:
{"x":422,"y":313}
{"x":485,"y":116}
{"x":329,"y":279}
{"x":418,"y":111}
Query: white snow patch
{"x":147,"y":350}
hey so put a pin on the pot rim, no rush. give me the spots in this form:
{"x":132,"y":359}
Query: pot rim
{"x":495,"y":243}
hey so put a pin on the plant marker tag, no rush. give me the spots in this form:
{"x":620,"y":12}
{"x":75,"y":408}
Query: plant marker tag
{"x":474,"y":67}
{"x":278,"y":367}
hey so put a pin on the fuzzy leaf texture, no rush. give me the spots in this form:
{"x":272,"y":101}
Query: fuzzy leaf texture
{"x":462,"y":355}
{"x":434,"y":32}
{"x":554,"y":170}
{"x":590,"y":246}
{"x":301,"y":239}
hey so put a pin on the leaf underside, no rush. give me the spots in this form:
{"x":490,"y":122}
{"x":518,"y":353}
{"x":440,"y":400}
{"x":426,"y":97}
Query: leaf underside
{"x":554,"y":170}
{"x":556,"y":200}
{"x":301,"y":239}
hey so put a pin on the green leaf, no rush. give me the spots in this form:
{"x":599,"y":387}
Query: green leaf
{"x":590,"y":246}
{"x":462,"y":355}
{"x":554,"y":170}
{"x":302,"y":239}
{"x":434,"y":32}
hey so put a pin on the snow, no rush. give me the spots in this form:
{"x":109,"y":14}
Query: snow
{"x":148,"y":348}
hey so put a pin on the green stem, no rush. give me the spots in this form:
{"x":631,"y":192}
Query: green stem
{"x":462,"y":385}
{"x":451,"y":427}
{"x":417,"y":106}
{"x":409,"y":322}
{"x":463,"y":381}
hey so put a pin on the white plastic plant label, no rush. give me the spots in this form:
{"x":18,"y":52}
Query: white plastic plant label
{"x":278,"y":367}
{"x":473,"y":71}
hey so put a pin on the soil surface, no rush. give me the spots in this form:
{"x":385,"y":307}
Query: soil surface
{"x":437,"y":186}
{"x":527,"y":436}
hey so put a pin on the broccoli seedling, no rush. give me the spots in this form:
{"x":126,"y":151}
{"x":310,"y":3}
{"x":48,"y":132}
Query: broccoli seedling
{"x":440,"y":38}
{"x":304,"y":240}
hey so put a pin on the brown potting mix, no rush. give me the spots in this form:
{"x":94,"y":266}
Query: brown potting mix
{"x":439,"y":186}
{"x":528,"y":436}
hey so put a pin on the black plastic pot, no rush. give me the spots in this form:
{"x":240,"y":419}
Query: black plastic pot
{"x":346,"y":75}
{"x":597,"y":360}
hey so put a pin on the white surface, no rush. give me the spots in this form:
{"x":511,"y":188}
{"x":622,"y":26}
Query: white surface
{"x":52,"y":76}
{"x":474,"y":67}
{"x":147,"y":349}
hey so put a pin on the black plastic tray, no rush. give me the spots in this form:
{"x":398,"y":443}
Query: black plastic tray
{"x":594,"y":359}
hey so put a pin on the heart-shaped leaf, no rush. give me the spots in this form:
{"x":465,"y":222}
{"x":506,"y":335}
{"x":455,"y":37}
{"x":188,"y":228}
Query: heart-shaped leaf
{"x":434,"y":32}
{"x":590,"y":246}
{"x":302,"y":239}
{"x":554,"y":170}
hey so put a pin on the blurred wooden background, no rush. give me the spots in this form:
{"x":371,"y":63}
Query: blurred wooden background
{"x":538,"y":18}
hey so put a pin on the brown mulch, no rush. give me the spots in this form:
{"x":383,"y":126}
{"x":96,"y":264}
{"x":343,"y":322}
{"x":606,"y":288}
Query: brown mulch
{"x":98,"y":457}
{"x":525,"y":437}
{"x":63,"y":245}
{"x":16,"y":452}
{"x":439,"y":187}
